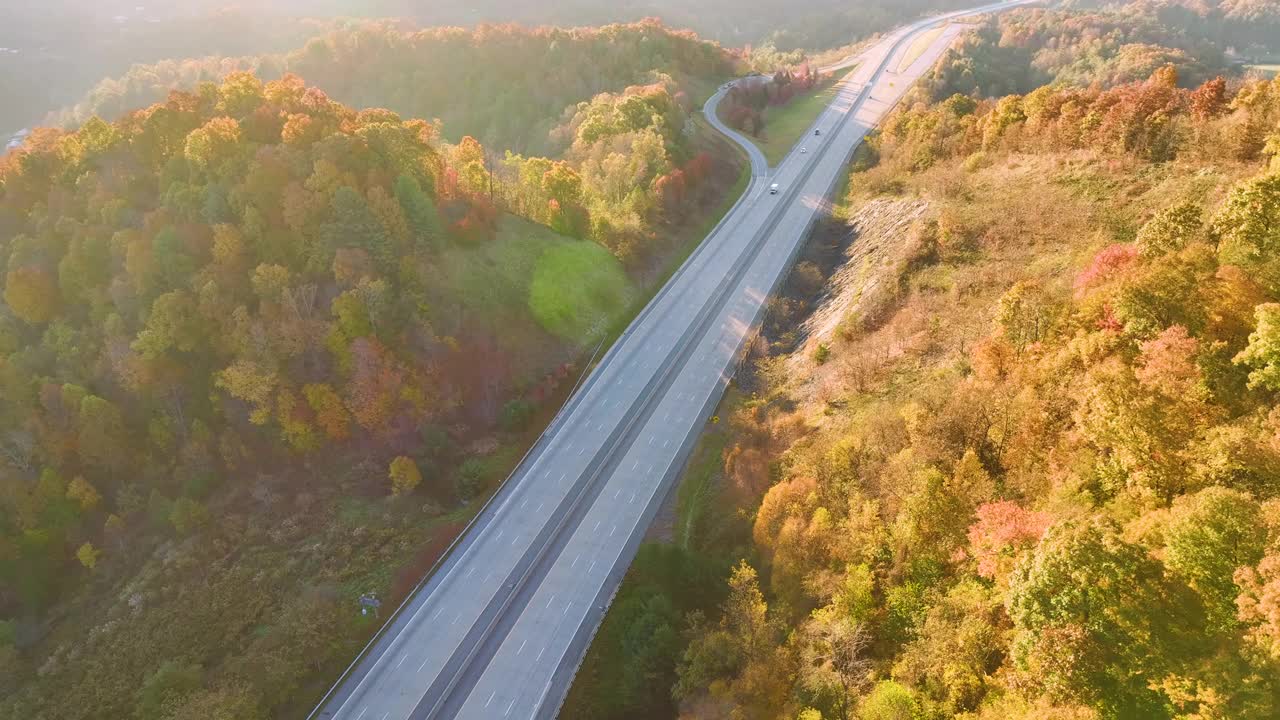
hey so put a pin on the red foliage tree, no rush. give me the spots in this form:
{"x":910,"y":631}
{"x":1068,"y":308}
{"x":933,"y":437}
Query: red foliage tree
{"x":1003,"y":530}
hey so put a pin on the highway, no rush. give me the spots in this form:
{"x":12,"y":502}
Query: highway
{"x":499,"y":628}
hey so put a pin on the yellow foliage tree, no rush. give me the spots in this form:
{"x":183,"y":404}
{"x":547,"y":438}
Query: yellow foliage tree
{"x":404,"y":476}
{"x":83,"y":493}
{"x":88,"y":555}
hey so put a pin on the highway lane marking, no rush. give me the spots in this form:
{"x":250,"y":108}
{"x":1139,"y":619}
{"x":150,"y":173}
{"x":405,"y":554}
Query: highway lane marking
{"x":515,"y":539}
{"x":575,"y":560}
{"x":487,"y":576}
{"x":402,"y":659}
{"x":539,"y":507}
{"x":470,"y":570}
{"x":424,"y":664}
{"x":522,"y":644}
{"x":523,"y":503}
{"x":593,"y":566}
{"x":852,"y":94}
{"x":580,"y":450}
{"x":486,"y":702}
{"x":665,"y":443}
{"x":611,"y":532}
{"x":597,"y":527}
{"x":456,"y":618}
{"x":384,"y":715}
{"x":509,"y":706}
{"x":500,"y":532}
{"x":566,"y":608}
{"x":550,"y":600}
{"x":615,"y":493}
{"x":633,"y":498}
{"x":544,"y":649}
{"x":362,"y":712}
{"x":438,"y":611}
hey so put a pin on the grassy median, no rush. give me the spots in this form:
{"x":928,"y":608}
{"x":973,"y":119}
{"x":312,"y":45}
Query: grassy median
{"x":919,"y":47}
{"x":785,"y":124}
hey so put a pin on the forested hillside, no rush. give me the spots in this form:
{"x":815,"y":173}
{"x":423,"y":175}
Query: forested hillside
{"x":1006,"y":445}
{"x":1017,"y":52}
{"x":1248,"y":26}
{"x":261,"y":353}
{"x":52,"y":52}
{"x":815,"y":24}
{"x":515,"y":83}
{"x":1022,"y":460}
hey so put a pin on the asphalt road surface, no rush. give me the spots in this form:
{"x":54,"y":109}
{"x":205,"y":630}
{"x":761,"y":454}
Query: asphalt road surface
{"x":498,"y":630}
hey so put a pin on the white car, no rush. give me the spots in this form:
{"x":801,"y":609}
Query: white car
{"x":773,"y":189}
{"x":804,"y":150}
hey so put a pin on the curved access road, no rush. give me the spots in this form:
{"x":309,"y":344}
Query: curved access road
{"x":498,"y":629}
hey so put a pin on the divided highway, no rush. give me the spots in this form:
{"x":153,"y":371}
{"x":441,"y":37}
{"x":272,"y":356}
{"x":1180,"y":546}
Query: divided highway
{"x":498,"y":630}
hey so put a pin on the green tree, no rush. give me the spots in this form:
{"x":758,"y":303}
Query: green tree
{"x":957,"y":646}
{"x":173,"y":324}
{"x":187,"y":515}
{"x":1170,"y":230}
{"x":353,"y":224}
{"x":1263,"y":352}
{"x":1026,"y":313}
{"x":419,"y":209}
{"x":1247,"y":226}
{"x":1210,"y":536}
{"x":1096,"y":620}
{"x":888,"y":700}
{"x":173,"y":265}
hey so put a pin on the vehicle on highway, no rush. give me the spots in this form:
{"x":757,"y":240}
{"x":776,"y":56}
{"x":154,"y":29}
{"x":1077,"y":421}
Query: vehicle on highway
{"x":773,"y":189}
{"x":804,"y":150}
{"x":817,"y":131}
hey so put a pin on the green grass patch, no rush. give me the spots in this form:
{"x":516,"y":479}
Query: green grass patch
{"x":783,"y":125}
{"x":529,"y":279}
{"x":488,"y":282}
{"x":697,"y":491}
{"x":578,"y":289}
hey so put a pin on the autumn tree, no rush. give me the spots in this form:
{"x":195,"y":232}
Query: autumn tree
{"x":404,"y":475}
{"x":32,"y":293}
{"x":834,"y":658}
{"x":1259,"y":604}
{"x":88,"y":555}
